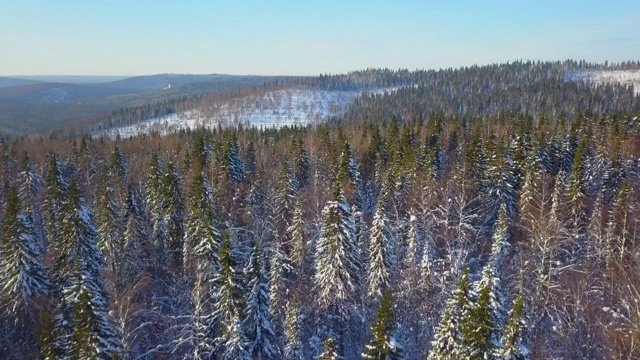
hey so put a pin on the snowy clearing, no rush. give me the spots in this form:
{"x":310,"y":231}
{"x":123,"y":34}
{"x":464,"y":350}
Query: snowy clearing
{"x":625,"y":77}
{"x":272,"y":109}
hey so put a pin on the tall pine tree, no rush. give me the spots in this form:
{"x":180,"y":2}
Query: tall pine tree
{"x":260,"y":333}
{"x":381,"y":248}
{"x":337,"y":256}
{"x":22,"y":271}
{"x":383,"y":346}
{"x":93,"y":335}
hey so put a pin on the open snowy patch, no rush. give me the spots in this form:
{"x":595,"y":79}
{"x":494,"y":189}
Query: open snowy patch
{"x":272,"y":109}
{"x":623,"y":77}
{"x":163,"y":125}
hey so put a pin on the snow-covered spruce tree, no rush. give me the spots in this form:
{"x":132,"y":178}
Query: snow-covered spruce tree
{"x":475,"y":164}
{"x":512,"y":346}
{"x":22,"y":272}
{"x":30,"y":191}
{"x":500,"y":186}
{"x":132,"y":279}
{"x":449,"y":340}
{"x":500,"y":245}
{"x":227,"y":317}
{"x":409,"y":148}
{"x":202,"y":149}
{"x":400,"y":199}
{"x":415,"y":242}
{"x":301,"y":168}
{"x":336,"y":257}
{"x":296,"y":232}
{"x":480,"y":327}
{"x":93,"y":335}
{"x":367,"y":198}
{"x":540,"y":150}
{"x":283,"y":204}
{"x":383,"y":346}
{"x":133,"y":205}
{"x":5,"y":181}
{"x":558,"y":198}
{"x":155,"y":204}
{"x":528,"y":202}
{"x":47,"y":337}
{"x":55,"y":207}
{"x":388,"y":187}
{"x":258,"y":204}
{"x":348,"y":174}
{"x":576,"y":192}
{"x":187,"y":161}
{"x":428,"y":158}
{"x":154,"y":181}
{"x":380,"y":250}
{"x":293,"y":349}
{"x":136,"y":236}
{"x":596,"y":228}
{"x":202,"y":236}
{"x":459,"y":217}
{"x":279,"y":282}
{"x":592,"y":167}
{"x":393,"y":140}
{"x":234,"y":164}
{"x":55,"y":198}
{"x":330,"y":352}
{"x":251,"y":162}
{"x":620,"y":219}
{"x":202,"y":231}
{"x":194,"y":336}
{"x":86,"y":168}
{"x":174,"y":213}
{"x":347,"y":166}
{"x":118,"y":164}
{"x":564,"y":150}
{"x":111,"y":228}
{"x":284,"y":200}
{"x":483,"y":324}
{"x":7,"y":164}
{"x":197,"y":327}
{"x":520,"y":144}
{"x":612,"y":170}
{"x":235,"y":347}
{"x":117,"y":176}
{"x":259,"y":332}
{"x":429,"y":257}
{"x":361,"y":232}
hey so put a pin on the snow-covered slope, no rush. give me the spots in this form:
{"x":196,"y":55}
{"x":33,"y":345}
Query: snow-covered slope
{"x":624,"y":77}
{"x":271,"y":109}
{"x":163,"y":125}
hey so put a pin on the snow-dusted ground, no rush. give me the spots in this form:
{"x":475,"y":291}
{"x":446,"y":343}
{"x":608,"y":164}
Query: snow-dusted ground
{"x":625,"y":77}
{"x":272,"y":109}
{"x":163,"y":125}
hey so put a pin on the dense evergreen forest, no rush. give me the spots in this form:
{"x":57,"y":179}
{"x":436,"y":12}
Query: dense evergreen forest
{"x":409,"y":229}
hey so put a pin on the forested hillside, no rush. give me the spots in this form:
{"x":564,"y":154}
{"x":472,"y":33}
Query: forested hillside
{"x":44,"y":104}
{"x":398,"y":233}
{"x":529,"y":88}
{"x":549,"y":89}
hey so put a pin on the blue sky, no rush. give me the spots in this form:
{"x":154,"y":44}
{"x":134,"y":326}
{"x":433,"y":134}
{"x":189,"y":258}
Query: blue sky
{"x":137,"y":37}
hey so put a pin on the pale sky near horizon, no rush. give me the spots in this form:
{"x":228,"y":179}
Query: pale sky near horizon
{"x":272,"y":37}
